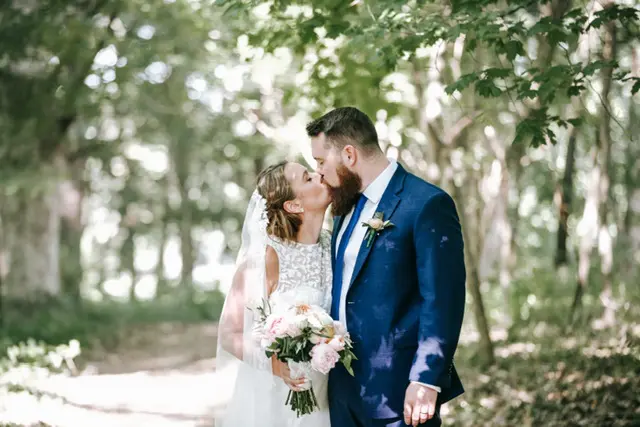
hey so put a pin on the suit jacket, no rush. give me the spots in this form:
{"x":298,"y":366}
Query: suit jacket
{"x":405,"y":302}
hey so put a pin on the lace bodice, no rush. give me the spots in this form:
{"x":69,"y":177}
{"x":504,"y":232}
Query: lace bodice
{"x":305,"y":272}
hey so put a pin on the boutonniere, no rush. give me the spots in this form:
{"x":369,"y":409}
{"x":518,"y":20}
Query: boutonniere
{"x":375,"y":225}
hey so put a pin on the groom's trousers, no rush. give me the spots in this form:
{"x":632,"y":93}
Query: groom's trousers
{"x":351,"y":414}
{"x":348,"y":410}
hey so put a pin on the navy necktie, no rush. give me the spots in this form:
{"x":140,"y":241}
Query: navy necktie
{"x":336,"y":290}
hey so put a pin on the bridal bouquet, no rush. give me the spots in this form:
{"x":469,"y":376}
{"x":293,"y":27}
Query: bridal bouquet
{"x":306,"y":338}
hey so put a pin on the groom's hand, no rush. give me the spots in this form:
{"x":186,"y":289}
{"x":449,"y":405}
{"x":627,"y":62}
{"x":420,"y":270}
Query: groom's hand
{"x":419,"y":404}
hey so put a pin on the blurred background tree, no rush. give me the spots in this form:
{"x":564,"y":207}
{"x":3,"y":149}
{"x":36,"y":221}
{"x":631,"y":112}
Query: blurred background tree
{"x":132,"y":132}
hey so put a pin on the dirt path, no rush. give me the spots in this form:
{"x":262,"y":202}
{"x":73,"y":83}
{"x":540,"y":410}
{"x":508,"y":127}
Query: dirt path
{"x":161,"y":376}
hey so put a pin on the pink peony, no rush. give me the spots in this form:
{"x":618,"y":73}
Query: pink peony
{"x":276,"y":327}
{"x":337,"y":343}
{"x":324,"y":358}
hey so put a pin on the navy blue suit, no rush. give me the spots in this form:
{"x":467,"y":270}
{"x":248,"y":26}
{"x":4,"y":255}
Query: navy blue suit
{"x":404,"y":306}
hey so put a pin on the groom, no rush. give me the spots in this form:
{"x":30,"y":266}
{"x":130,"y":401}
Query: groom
{"x":400,"y":289}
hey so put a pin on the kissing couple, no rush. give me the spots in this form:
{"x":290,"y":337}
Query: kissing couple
{"x":391,"y":271}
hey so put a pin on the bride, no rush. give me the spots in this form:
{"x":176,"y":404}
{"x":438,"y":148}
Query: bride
{"x":285,"y":258}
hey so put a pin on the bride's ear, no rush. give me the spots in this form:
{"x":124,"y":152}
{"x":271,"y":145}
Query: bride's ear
{"x":293,"y":207}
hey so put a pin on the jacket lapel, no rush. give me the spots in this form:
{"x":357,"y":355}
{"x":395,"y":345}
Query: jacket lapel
{"x":387,"y":206}
{"x":337,"y":224}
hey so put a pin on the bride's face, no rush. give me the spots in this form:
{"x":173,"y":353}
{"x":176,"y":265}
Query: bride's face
{"x":310,"y":192}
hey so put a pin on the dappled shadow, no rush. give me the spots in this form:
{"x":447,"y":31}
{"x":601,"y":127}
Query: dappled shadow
{"x":551,"y":380}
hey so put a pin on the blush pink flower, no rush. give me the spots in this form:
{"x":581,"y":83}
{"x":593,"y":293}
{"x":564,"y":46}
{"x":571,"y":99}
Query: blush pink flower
{"x":337,"y":343}
{"x":276,"y":327}
{"x":324,"y":358}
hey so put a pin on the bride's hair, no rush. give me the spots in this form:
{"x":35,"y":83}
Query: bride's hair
{"x":276,"y":190}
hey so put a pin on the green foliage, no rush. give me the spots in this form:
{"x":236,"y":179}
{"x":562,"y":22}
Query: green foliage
{"x":394,"y":31}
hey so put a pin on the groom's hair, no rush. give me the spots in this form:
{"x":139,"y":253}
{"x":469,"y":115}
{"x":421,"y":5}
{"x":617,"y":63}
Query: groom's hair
{"x":347,"y":126}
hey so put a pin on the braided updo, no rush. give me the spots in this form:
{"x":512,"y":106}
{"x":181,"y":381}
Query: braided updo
{"x":276,"y":190}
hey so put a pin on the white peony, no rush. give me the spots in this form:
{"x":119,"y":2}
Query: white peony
{"x":339,"y":328}
{"x":319,"y":319}
{"x":316,"y":339}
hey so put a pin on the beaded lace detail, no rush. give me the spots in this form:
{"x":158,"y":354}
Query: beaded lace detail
{"x":305,"y":272}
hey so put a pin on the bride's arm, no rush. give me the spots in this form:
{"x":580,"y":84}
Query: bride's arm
{"x":272,"y":275}
{"x":230,"y":327}
{"x":272,"y":270}
{"x":231,"y":323}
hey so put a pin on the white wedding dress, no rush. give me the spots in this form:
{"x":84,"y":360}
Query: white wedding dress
{"x":259,"y":398}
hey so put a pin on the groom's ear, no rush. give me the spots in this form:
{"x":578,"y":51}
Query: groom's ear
{"x":293,"y":207}
{"x":349,"y":155}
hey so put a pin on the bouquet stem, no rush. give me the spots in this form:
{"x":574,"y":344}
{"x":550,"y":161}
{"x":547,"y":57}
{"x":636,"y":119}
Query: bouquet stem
{"x":302,"y":402}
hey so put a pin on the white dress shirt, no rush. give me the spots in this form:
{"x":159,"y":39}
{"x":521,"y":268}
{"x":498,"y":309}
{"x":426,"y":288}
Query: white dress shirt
{"x":373,"y":193}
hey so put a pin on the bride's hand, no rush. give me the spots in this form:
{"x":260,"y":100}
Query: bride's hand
{"x":281,"y":369}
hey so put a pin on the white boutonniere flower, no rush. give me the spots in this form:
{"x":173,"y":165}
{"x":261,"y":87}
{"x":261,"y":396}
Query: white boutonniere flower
{"x":375,"y":225}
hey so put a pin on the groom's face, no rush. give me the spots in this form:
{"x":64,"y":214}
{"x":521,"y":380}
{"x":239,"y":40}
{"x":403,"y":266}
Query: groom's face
{"x":328,"y":158}
{"x":344,"y":185}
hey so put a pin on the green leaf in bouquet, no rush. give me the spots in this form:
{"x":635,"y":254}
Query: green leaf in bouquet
{"x":347,"y":364}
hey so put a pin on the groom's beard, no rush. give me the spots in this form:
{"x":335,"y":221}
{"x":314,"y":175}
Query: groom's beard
{"x":345,"y":196}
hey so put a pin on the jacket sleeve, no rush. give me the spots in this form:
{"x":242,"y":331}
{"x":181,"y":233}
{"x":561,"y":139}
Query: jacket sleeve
{"x":441,"y":276}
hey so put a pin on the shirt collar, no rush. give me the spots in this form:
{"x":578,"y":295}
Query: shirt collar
{"x":376,"y":189}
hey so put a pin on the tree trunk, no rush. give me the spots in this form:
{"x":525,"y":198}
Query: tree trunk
{"x":515,"y":152}
{"x":587,"y":231}
{"x":162,"y":287}
{"x":35,"y":245}
{"x":594,"y":224}
{"x":469,"y":207}
{"x":128,"y":254}
{"x":163,"y":219}
{"x":186,"y":240}
{"x":629,"y":237}
{"x":4,"y":253}
{"x":473,"y":281}
{"x":564,"y":199}
{"x":71,"y":230}
{"x":434,"y":172}
{"x":71,"y":271}
{"x":506,"y":247}
{"x":605,"y":240}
